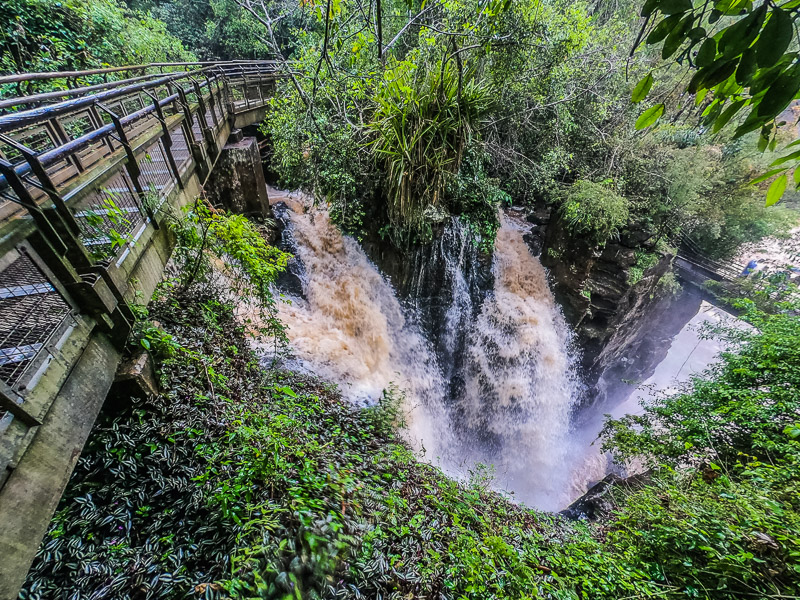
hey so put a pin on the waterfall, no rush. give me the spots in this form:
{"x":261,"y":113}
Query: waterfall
{"x":349,"y":328}
{"x":511,"y":401}
{"x":519,"y":379}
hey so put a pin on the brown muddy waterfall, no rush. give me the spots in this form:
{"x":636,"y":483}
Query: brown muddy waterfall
{"x":512,"y":408}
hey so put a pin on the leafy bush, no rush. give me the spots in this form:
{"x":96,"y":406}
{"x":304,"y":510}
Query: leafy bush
{"x":644,"y":261}
{"x":594,"y":211}
{"x":48,"y":35}
{"x":721,"y":516}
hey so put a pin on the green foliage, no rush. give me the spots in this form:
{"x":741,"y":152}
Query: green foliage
{"x":720,"y":518}
{"x":49,"y":35}
{"x":477,"y":198}
{"x":594,"y":211}
{"x":644,"y":261}
{"x":425,"y":118}
{"x":250,"y":264}
{"x":744,"y":65}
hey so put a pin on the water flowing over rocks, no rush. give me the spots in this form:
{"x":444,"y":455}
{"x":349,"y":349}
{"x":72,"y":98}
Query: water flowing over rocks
{"x":481,"y":350}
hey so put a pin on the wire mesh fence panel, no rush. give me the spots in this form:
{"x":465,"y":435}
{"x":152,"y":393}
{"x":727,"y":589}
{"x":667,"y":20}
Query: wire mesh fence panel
{"x":180,"y":149}
{"x":156,"y":175}
{"x":110,"y":216}
{"x":31,"y":310}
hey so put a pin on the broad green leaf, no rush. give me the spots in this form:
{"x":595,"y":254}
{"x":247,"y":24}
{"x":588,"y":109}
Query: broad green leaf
{"x":642,"y":88}
{"x":747,"y":67}
{"x":707,"y":53}
{"x":663,"y":29}
{"x":780,"y":93}
{"x":649,"y":7}
{"x":741,"y":34}
{"x":793,"y":156}
{"x":766,"y":176}
{"x":727,"y":114}
{"x":650,"y":116}
{"x":671,"y":7}
{"x":676,"y":38}
{"x":796,"y":177}
{"x":776,"y":189}
{"x":775,"y":38}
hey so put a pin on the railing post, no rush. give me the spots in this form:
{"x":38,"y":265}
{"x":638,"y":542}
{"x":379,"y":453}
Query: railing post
{"x":47,"y":186}
{"x":131,"y":164}
{"x":202,"y":116}
{"x":212,"y":102}
{"x":24,"y":198}
{"x":166,"y":139}
{"x":60,"y":133}
{"x":187,"y":113}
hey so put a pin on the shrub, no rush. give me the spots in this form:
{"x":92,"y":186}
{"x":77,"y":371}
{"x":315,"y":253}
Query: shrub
{"x":594,"y":211}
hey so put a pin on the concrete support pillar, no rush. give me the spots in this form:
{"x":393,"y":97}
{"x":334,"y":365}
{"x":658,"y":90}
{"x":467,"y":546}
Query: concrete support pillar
{"x":237,"y":181}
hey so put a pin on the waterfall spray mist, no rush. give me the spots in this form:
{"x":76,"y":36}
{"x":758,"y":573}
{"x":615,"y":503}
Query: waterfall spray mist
{"x":519,"y":381}
{"x":512,"y":406}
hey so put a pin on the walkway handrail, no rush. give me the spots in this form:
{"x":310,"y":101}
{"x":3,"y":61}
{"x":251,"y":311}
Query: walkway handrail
{"x":86,"y":185}
{"x":20,"y":119}
{"x":20,"y":77}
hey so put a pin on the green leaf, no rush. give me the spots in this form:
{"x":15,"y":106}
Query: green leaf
{"x":650,"y":116}
{"x":663,"y":29}
{"x":775,"y":38}
{"x":793,"y":156}
{"x":649,"y":7}
{"x":707,"y":53}
{"x":642,"y":88}
{"x":727,"y":114}
{"x":676,"y":38}
{"x":671,"y":7}
{"x":766,"y":176}
{"x":747,"y":67}
{"x":741,"y":34}
{"x":776,"y":189}
{"x":145,"y":343}
{"x":780,"y":93}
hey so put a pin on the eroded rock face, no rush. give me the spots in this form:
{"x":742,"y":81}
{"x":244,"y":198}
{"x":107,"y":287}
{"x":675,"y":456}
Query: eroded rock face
{"x":602,"y":296}
{"x":444,"y":283}
{"x":598,"y":503}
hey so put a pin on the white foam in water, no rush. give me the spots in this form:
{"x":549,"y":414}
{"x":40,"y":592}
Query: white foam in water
{"x":351,"y":329}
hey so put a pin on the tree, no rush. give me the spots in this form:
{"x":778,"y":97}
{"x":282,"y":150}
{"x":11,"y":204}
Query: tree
{"x":745,"y":69}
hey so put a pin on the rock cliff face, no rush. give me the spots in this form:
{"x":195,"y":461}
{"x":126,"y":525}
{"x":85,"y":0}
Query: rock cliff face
{"x":444,"y":282}
{"x":607,"y":293}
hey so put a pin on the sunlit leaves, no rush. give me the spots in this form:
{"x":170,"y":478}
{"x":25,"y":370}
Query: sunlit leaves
{"x":650,"y":116}
{"x":776,"y":189}
{"x":642,"y":88}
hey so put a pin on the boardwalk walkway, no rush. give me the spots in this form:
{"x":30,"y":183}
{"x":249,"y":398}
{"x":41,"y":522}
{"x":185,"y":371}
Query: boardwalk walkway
{"x":88,"y":174}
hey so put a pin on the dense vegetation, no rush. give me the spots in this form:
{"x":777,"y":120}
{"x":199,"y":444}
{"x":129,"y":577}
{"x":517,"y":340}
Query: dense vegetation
{"x":240,"y":481}
{"x":401,"y":114}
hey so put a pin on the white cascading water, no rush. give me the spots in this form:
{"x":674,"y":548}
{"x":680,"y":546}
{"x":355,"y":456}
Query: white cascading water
{"x":350,"y":328}
{"x":517,"y":389}
{"x":519,"y":378}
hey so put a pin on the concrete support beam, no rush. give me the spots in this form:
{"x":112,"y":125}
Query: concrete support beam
{"x":237,"y":181}
{"x":32,"y":492}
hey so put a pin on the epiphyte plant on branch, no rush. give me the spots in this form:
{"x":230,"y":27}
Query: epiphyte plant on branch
{"x":745,"y":69}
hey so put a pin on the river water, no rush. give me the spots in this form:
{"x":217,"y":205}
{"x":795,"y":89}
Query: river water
{"x":513,"y":407}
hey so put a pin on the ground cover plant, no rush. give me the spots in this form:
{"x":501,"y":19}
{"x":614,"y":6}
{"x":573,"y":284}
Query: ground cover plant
{"x":242,"y":481}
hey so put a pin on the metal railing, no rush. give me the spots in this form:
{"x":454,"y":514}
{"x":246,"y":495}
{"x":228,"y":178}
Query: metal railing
{"x":83,"y":172}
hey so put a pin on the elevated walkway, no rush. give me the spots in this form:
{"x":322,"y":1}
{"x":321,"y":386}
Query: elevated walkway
{"x":88,"y":178}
